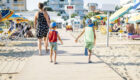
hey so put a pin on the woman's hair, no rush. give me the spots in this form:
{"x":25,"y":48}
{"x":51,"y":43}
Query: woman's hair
{"x":40,"y":5}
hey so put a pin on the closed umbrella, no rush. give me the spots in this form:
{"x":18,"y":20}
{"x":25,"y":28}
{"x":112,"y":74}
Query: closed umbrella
{"x":5,"y":14}
{"x":119,"y":13}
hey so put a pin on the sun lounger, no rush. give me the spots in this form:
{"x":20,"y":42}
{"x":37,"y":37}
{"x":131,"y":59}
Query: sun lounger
{"x":133,"y":36}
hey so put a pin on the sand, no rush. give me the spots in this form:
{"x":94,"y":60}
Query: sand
{"x":13,"y":56}
{"x":122,"y":55}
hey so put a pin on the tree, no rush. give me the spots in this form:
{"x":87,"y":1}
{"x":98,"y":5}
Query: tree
{"x":73,"y":15}
{"x":58,"y":14}
{"x":117,"y":8}
{"x":46,"y":3}
{"x":48,"y":9}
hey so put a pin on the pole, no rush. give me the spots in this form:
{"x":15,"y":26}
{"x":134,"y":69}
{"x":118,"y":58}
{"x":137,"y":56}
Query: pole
{"x":108,"y":13}
{"x":69,"y":11}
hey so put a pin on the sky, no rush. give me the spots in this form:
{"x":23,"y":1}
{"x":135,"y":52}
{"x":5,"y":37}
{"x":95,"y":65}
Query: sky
{"x":33,"y":4}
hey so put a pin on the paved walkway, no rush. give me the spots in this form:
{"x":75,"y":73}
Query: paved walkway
{"x":72,"y":65}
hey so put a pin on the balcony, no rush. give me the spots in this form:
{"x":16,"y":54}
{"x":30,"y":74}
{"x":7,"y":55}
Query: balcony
{"x":18,"y":2}
{"x":77,"y":2}
{"x":63,"y":2}
{"x":53,"y":3}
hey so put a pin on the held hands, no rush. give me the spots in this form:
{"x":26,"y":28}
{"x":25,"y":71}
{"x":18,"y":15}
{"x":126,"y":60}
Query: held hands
{"x":76,"y":40}
{"x":61,"y":43}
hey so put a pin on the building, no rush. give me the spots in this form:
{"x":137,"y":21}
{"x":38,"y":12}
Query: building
{"x":92,"y":6}
{"x":59,"y":6}
{"x":16,"y":5}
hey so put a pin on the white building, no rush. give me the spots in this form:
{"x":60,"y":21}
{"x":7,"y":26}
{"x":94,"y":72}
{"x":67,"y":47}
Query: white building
{"x":59,"y":6}
{"x":16,"y":5}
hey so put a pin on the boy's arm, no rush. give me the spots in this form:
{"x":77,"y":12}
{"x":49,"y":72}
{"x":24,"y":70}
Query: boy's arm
{"x":59,"y":38}
{"x":80,"y":35}
{"x":94,"y":36}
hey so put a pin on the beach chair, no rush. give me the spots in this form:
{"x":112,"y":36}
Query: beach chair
{"x":133,"y":36}
{"x":103,"y":30}
{"x":17,"y":34}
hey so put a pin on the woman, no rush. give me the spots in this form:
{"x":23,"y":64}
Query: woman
{"x":41,"y":24}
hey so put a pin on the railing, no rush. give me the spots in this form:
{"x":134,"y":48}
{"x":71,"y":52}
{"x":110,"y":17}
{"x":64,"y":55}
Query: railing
{"x":53,"y":3}
{"x":61,"y":2}
{"x":18,"y":2}
{"x":77,"y":2}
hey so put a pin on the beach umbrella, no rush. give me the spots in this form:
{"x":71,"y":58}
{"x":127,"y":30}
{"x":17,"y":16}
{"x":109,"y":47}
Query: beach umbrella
{"x":93,"y":19}
{"x":101,"y":16}
{"x":22,"y":20}
{"x":5,"y":14}
{"x":136,"y":5}
{"x":134,"y":19}
{"x":119,"y":13}
{"x":14,"y":17}
{"x":1,"y":30}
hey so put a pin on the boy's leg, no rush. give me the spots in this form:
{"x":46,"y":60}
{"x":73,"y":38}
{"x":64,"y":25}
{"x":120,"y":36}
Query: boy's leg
{"x":51,"y":54}
{"x":90,"y":52}
{"x":39,"y":45}
{"x":55,"y":57}
{"x":55,"y":49}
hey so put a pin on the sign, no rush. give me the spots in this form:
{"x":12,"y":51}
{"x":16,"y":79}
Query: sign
{"x":108,"y":7}
{"x":69,"y":7}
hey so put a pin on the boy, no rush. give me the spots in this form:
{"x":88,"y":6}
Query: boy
{"x":90,"y":37}
{"x":53,"y":35}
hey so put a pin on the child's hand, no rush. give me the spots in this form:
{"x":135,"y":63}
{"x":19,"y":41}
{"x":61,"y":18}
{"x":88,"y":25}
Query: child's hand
{"x":61,"y":42}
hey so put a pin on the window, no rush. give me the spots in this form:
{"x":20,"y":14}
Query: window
{"x":62,"y":0}
{"x":15,"y":1}
{"x":7,"y":1}
{"x":61,"y":6}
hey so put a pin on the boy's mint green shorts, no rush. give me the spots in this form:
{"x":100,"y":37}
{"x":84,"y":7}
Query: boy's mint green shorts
{"x":53,"y":45}
{"x":89,"y":45}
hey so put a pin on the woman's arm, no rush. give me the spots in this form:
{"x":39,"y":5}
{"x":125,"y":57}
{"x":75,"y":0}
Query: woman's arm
{"x":35,"y":20}
{"x":47,"y":18}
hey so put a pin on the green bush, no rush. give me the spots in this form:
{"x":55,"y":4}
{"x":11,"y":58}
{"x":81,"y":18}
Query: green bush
{"x":73,"y":15}
{"x":58,"y":14}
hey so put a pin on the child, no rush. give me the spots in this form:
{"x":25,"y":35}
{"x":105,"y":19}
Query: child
{"x":53,"y":35}
{"x":90,"y":37}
